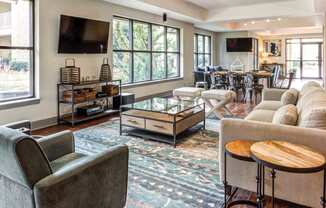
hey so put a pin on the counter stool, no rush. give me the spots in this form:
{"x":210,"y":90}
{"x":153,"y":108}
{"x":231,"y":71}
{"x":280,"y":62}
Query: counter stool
{"x":240,"y":150}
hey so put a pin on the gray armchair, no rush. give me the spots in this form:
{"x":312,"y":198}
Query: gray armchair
{"x":48,"y":173}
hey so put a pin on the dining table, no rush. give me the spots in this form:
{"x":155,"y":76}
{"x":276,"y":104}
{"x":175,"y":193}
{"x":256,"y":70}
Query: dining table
{"x":261,"y":74}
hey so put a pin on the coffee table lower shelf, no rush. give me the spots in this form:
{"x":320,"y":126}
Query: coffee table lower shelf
{"x":159,"y":130}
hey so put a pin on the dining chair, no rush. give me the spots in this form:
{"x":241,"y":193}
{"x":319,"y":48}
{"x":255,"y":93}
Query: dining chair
{"x":219,"y":81}
{"x":236,"y":84}
{"x":276,"y":77}
{"x":253,"y":88}
{"x":286,"y":81}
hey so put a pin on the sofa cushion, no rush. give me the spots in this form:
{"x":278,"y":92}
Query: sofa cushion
{"x":290,"y":97}
{"x":269,"y":105}
{"x":309,"y":85}
{"x":261,"y":115}
{"x":286,"y":115}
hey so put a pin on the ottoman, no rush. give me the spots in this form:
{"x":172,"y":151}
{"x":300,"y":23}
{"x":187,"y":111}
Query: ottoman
{"x":188,"y":92}
{"x":223,"y":97}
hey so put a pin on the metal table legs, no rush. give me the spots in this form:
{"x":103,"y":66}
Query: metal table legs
{"x":323,"y":199}
{"x":228,"y":191}
{"x":273,"y":176}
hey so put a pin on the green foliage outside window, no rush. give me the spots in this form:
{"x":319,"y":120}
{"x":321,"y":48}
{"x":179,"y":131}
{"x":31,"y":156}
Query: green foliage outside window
{"x":144,"y":51}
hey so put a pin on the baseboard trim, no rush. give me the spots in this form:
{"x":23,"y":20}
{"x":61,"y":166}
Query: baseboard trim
{"x":41,"y":124}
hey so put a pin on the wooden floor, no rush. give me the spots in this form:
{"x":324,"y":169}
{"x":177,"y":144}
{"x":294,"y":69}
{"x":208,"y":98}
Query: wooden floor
{"x":238,"y":109}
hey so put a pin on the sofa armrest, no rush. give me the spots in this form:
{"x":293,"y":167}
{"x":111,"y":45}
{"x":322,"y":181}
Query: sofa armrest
{"x":19,"y":124}
{"x":232,"y":129}
{"x":97,"y":181}
{"x":272,"y":94}
{"x":57,"y":145}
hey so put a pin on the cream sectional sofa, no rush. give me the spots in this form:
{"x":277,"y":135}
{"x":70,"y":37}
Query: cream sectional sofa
{"x":304,"y":189}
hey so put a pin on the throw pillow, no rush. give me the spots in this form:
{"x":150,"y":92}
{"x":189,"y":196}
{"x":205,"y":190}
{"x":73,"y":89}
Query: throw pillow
{"x":286,"y":115}
{"x":290,"y":97}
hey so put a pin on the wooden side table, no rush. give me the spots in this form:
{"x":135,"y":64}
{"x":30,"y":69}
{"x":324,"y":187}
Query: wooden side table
{"x":240,"y":150}
{"x":288,"y":157}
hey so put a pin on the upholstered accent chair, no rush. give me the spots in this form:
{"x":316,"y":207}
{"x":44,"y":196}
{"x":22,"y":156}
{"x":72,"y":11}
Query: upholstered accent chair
{"x":48,"y":173}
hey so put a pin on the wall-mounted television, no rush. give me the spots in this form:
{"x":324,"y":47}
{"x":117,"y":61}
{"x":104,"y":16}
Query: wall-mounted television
{"x":239,"y":44}
{"x":81,"y":35}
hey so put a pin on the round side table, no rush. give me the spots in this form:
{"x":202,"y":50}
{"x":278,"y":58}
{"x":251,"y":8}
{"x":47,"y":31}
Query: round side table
{"x":288,"y":157}
{"x":240,"y":150}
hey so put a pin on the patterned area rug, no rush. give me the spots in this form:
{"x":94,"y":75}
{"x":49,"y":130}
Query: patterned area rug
{"x":160,"y":175}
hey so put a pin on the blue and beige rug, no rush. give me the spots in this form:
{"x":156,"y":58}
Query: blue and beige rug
{"x":162,"y":176}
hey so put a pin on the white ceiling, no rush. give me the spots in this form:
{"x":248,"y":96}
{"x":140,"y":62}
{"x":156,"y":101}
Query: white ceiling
{"x":209,"y":4}
{"x":263,"y":16}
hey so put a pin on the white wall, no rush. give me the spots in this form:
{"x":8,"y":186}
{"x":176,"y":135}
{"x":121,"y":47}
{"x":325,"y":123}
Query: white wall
{"x":48,"y":12}
{"x":324,"y":29}
{"x":226,"y":59}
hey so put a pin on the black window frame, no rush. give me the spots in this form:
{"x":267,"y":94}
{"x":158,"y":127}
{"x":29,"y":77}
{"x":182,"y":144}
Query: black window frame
{"x":150,"y":51}
{"x":301,"y":61}
{"x":32,"y":57}
{"x":197,"y":54}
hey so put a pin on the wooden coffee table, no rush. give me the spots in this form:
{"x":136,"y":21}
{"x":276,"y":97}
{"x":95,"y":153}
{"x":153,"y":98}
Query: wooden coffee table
{"x":240,"y":150}
{"x":288,"y":157}
{"x":161,"y":119}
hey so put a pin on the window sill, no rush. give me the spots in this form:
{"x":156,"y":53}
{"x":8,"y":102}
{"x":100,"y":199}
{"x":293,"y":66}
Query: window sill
{"x":140,"y":84}
{"x":19,"y":103}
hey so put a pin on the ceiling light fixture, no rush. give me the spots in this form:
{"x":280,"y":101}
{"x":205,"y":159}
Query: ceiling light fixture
{"x":268,"y":20}
{"x":253,"y":22}
{"x":245,"y":24}
{"x":279,"y":19}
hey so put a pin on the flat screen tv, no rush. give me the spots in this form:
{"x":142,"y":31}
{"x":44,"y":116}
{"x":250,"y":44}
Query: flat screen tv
{"x":80,"y":35}
{"x":239,"y":44}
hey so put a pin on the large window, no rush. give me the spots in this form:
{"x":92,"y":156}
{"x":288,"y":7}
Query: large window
{"x":144,"y":51}
{"x":305,"y":57}
{"x":16,"y":49}
{"x":202,"y":51}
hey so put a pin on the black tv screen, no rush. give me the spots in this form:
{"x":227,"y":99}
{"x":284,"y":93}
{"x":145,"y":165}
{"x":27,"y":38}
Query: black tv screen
{"x":80,"y":35}
{"x":239,"y":44}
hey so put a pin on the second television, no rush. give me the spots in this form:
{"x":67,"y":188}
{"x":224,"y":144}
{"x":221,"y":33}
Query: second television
{"x":239,"y":44}
{"x":81,"y":35}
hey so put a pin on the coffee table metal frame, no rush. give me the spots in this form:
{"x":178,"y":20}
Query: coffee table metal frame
{"x":263,"y":164}
{"x":260,"y":186}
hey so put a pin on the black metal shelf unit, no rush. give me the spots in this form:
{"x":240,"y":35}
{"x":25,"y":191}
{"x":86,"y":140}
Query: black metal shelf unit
{"x":72,"y":117}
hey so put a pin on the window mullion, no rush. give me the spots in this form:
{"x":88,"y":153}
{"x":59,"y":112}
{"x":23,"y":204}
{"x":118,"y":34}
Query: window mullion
{"x":131,"y":31}
{"x":151,"y":51}
{"x":166,"y":50}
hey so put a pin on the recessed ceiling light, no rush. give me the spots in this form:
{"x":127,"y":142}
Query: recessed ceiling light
{"x":279,"y":19}
{"x":268,"y":20}
{"x":245,"y":24}
{"x":253,"y":22}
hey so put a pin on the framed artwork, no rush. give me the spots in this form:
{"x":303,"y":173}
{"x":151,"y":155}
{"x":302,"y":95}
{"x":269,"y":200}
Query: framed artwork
{"x":273,"y":47}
